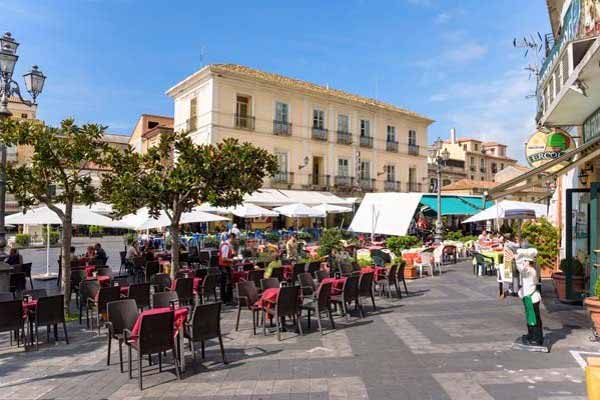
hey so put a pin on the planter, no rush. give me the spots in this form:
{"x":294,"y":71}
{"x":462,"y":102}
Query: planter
{"x":593,"y":306}
{"x":410,"y":272}
{"x":578,"y":284}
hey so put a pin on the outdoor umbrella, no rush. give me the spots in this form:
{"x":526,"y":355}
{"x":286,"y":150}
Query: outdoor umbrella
{"x":331,"y":209}
{"x":299,"y":210}
{"x":45,"y":216}
{"x":509,"y":209}
{"x":244,"y":210}
{"x":142,"y":220}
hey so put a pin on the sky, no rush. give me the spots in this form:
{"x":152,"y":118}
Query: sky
{"x":108,"y":61}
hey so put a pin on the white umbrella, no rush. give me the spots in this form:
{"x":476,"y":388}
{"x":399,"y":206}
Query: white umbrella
{"x":299,"y":210}
{"x":45,"y":216}
{"x":248,"y":210}
{"x":331,"y":209}
{"x":142,"y":220}
{"x":507,"y":209}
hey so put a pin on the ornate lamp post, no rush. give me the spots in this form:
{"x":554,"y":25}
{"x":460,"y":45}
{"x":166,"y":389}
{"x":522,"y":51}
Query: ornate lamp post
{"x":34,"y":82}
{"x":439,"y":158}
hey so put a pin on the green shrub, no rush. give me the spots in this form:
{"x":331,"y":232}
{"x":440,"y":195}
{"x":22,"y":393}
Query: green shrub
{"x":95,"y":231}
{"x":130,"y":238}
{"x":304,"y":236}
{"x":22,"y":239}
{"x":597,"y":288}
{"x":365,"y":262}
{"x":574,"y":265}
{"x":398,"y":243}
{"x":330,"y":240}
{"x":272,"y":237}
{"x":453,"y":235}
{"x":54,"y":237}
{"x":542,"y":235}
{"x":210,"y":241}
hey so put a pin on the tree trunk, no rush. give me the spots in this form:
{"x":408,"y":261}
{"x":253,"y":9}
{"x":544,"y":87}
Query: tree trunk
{"x":67,"y":235}
{"x":174,"y":231}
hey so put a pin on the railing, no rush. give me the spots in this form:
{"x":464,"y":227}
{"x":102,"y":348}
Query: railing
{"x":366,"y":141}
{"x":413,"y":149}
{"x":319,"y":181}
{"x":367,"y":184}
{"x":391,"y":186}
{"x":413,"y":187}
{"x":344,"y":137}
{"x":244,"y":121}
{"x":319,"y":133}
{"x":342,"y":181}
{"x":283,"y":178}
{"x":391,"y":146}
{"x":282,"y":128}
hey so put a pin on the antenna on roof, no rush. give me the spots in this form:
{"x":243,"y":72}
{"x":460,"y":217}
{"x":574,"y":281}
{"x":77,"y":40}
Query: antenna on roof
{"x":202,"y":55}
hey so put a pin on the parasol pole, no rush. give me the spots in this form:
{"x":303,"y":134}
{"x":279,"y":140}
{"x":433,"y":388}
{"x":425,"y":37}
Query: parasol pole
{"x":48,"y":250}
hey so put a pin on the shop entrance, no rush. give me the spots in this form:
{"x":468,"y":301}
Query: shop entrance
{"x":577,"y":232}
{"x":594,"y":242}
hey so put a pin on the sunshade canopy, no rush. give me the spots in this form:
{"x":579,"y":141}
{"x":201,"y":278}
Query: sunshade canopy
{"x":510,"y":209}
{"x":276,"y":197}
{"x":299,"y":210}
{"x":386,"y":213}
{"x":45,"y":216}
{"x":455,"y":205}
{"x":331,"y":209}
{"x":143,"y":220}
{"x":244,"y":210}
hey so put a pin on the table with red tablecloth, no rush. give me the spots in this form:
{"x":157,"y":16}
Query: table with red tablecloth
{"x":89,"y":270}
{"x":268,"y":298}
{"x":337,"y":284}
{"x":197,"y":283}
{"x":288,"y":271}
{"x":378,"y":272}
{"x":103,"y":280}
{"x":178,"y":320}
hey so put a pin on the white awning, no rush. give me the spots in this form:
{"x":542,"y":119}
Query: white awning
{"x":275,"y":197}
{"x":142,"y":220}
{"x":45,"y":216}
{"x":299,"y":211}
{"x":386,"y":213}
{"x":332,"y":209}
{"x":511,"y":210}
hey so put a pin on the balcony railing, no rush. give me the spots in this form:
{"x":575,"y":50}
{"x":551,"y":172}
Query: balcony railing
{"x":319,"y":133}
{"x":366,"y":141}
{"x":244,"y":121}
{"x":344,"y":182}
{"x":367,"y":184}
{"x":413,"y":149}
{"x":282,"y":128}
{"x":413,"y":187}
{"x":391,"y":186}
{"x":344,"y":137}
{"x":391,"y":146}
{"x":320,"y":182}
{"x":283,"y":178}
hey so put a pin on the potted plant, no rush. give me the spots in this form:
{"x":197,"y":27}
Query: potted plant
{"x":542,"y":235}
{"x":577,"y":278}
{"x":398,"y":243}
{"x":593,"y":306}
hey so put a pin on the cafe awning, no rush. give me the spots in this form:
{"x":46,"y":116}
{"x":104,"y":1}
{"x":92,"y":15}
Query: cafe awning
{"x":276,"y":197}
{"x":454,"y":205}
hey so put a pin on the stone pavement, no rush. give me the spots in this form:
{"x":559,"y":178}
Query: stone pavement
{"x":449,"y":340}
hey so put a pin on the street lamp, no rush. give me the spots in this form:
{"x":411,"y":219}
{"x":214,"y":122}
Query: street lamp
{"x":439,"y":158}
{"x":34,"y":82}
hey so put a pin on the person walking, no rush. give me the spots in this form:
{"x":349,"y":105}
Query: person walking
{"x":226,"y":254}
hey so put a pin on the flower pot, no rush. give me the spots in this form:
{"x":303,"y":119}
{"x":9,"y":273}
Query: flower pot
{"x":593,"y":306}
{"x":410,"y":272}
{"x":577,"y":282}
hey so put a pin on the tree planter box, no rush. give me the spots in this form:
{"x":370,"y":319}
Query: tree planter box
{"x":560,"y":287}
{"x":410,"y":272}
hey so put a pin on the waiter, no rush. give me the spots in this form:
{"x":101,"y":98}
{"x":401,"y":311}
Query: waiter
{"x":530,"y":296}
{"x":226,"y":254}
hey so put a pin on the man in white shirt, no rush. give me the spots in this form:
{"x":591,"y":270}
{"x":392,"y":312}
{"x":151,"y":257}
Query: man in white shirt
{"x":530,"y":296}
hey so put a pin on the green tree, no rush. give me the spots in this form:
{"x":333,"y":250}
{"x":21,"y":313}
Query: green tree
{"x":59,"y":159}
{"x":177,"y":174}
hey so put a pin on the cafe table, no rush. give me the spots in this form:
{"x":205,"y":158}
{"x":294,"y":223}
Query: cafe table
{"x":337,"y":284}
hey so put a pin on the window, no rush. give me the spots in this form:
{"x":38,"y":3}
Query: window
{"x":318,"y":119}
{"x":281,"y":112}
{"x":365,"y":170}
{"x":154,"y":124}
{"x":391,"y":133}
{"x":501,"y":166}
{"x":24,"y":115}
{"x":464,"y":147}
{"x":343,"y":167}
{"x":282,"y":162}
{"x":472,"y":160}
{"x":390,"y":173}
{"x":365,"y":128}
{"x":494,"y":168}
{"x":412,"y":137}
{"x":475,"y":147}
{"x":412,"y":175}
{"x":446,"y":182}
{"x":482,"y":178}
{"x":343,"y":123}
{"x":242,"y":107}
{"x":193,"y":113}
{"x":482,"y":163}
{"x":472,"y":178}
{"x":501,"y":151}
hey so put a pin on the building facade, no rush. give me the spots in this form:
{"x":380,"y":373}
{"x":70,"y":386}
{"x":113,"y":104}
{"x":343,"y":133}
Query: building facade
{"x":324,"y":139}
{"x":148,"y":130}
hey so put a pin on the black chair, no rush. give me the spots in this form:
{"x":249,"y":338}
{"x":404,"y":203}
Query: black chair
{"x":104,"y":271}
{"x":164,"y":299}
{"x":349,"y":294}
{"x":77,"y":276}
{"x":123,"y":266}
{"x":161,"y":282}
{"x":152,"y":268}
{"x":319,"y":304}
{"x":26,"y":269}
{"x":208,"y":287}
{"x":98,"y":303}
{"x":321,"y":274}
{"x":121,"y":280}
{"x":365,"y":289}
{"x":307,"y":284}
{"x":387,"y":280}
{"x":99,"y":261}
{"x":269,"y":283}
{"x":401,"y":269}
{"x":185,"y":290}
{"x":18,"y":282}
{"x":485,"y":262}
{"x":4,"y":283}
{"x":277,"y":273}
{"x":313,"y":267}
{"x":87,"y":290}
{"x":121,"y":315}
{"x":140,"y":292}
{"x":50,"y":312}
{"x":11,"y":318}
{"x":205,"y":324}
{"x":138,"y":264}
{"x":154,"y":337}
{"x":247,"y":293}
{"x":297,"y":269}
{"x":255,"y":276}
{"x":35,"y":293}
{"x":285,"y":306}
{"x":378,"y":261}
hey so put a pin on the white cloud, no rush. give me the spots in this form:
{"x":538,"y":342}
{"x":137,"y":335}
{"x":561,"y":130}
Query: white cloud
{"x":465,"y":53}
{"x":443,"y":17}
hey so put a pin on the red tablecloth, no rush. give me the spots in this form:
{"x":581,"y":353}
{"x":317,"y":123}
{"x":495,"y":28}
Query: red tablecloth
{"x":239,"y":276}
{"x":288,"y":270}
{"x":268,"y":298}
{"x":103,"y":280}
{"x":89,"y":270}
{"x":180,"y":317}
{"x":378,"y":272}
{"x":337,"y":284}
{"x":197,"y":283}
{"x":29,"y":306}
{"x":124,"y":290}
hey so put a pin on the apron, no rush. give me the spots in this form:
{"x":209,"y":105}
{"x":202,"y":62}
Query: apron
{"x":529,"y":312}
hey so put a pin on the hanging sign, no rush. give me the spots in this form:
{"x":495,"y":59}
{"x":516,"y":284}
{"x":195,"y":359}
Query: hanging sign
{"x":547,"y":145}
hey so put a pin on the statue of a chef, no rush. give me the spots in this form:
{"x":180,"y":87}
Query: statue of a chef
{"x":530,"y":296}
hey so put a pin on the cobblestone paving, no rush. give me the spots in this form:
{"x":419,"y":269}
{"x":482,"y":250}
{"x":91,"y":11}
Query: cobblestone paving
{"x":450,"y":339}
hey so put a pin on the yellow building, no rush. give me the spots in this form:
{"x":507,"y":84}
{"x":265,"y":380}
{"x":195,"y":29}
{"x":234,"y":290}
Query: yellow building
{"x":325,"y":139}
{"x":147,"y":131}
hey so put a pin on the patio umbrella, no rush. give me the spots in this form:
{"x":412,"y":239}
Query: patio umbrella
{"x":331,"y":209}
{"x":299,"y":210}
{"x":509,"y":209}
{"x":248,"y":210}
{"x":45,"y":216}
{"x":142,"y":220}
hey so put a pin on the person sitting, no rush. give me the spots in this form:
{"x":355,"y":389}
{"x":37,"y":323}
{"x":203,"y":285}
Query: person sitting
{"x":14,"y":257}
{"x":483,"y":236}
{"x":276,"y":263}
{"x":100,"y":253}
{"x":132,"y":251}
{"x":291,"y":248}
{"x":90,"y":252}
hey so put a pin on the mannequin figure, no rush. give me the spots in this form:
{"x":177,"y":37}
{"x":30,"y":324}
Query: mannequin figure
{"x":530,"y":296}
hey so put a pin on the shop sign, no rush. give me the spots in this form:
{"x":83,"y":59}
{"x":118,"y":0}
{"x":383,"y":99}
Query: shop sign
{"x":547,"y":145}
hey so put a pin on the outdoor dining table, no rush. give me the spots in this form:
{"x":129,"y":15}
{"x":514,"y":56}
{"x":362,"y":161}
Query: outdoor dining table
{"x":103,"y":280}
{"x":378,"y":272}
{"x":337,"y":284}
{"x":496,"y":255}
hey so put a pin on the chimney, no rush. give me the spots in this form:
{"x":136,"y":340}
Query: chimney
{"x":453,"y":136}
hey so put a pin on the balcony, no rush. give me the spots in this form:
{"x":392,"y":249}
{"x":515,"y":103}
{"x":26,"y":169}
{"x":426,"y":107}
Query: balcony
{"x":391,"y":186}
{"x":413,"y":187}
{"x":244,"y":122}
{"x":367,"y":184}
{"x":319,"y":133}
{"x":318,"y":182}
{"x":413,"y":149}
{"x":282,"y":179}
{"x":344,"y":137}
{"x":391,"y":146}
{"x":282,"y":128}
{"x":343,"y":182}
{"x":366,"y":141}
